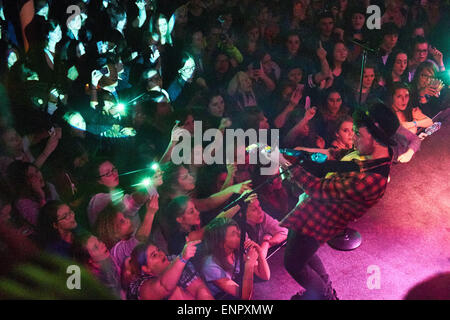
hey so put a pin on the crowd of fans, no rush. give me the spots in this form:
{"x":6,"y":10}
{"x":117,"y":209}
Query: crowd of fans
{"x":90,"y":99}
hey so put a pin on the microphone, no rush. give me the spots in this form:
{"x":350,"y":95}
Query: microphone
{"x":304,"y":155}
{"x":363,"y":45}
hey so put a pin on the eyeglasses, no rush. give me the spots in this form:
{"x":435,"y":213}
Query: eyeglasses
{"x":426,"y":76}
{"x":70,"y":213}
{"x":109,"y":174}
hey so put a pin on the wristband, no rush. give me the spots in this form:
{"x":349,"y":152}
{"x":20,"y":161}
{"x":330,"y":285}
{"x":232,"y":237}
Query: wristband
{"x":415,"y":124}
{"x":181,"y":259}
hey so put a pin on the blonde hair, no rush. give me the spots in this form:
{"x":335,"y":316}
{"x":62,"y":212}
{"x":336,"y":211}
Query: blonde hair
{"x":235,"y":83}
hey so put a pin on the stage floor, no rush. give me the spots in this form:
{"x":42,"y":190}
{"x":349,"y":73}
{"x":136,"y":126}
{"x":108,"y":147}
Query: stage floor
{"x":406,"y":236}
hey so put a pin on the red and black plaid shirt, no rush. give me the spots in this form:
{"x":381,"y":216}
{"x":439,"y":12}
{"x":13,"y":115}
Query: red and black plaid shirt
{"x":333,"y":202}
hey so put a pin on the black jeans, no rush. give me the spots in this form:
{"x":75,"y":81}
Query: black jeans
{"x":302,"y":263}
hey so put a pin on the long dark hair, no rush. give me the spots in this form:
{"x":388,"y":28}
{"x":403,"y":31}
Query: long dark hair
{"x":214,"y":239}
{"x":175,"y":209}
{"x":48,"y":215}
{"x":408,"y":111}
{"x":17,"y":174}
{"x":390,"y":66}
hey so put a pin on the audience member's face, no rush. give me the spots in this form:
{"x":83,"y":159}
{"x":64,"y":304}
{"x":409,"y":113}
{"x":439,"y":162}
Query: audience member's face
{"x":420,"y":52}
{"x":81,"y":161}
{"x":108,"y":174}
{"x":157,"y":261}
{"x":425,"y":77}
{"x":232,"y":238}
{"x":400,"y":64}
{"x":326,"y":26}
{"x":189,"y":124}
{"x":298,"y":10}
{"x":334,"y":102}
{"x":96,"y":249}
{"x":197,"y":40}
{"x":123,"y":226}
{"x":364,"y":142}
{"x":358,"y":20}
{"x":267,"y":63}
{"x":263,"y":15}
{"x":253,"y":34}
{"x":245,"y":83}
{"x":190,"y":217}
{"x":12,"y":141}
{"x":122,"y":23}
{"x":216,"y":106}
{"x":390,"y":41}
{"x":185,"y":180}
{"x":182,"y":17}
{"x":5,"y":212}
{"x":287,"y":93}
{"x":400,"y":99}
{"x":214,"y":36}
{"x":220,"y":180}
{"x":228,"y":21}
{"x":157,"y":178}
{"x":255,"y":215}
{"x":188,"y":69}
{"x":222,"y":64}
{"x":75,"y":23}
{"x":35,"y":177}
{"x":295,"y":75}
{"x":369,"y":76}
{"x":340,"y":52}
{"x":55,"y":35}
{"x":345,"y":133}
{"x":293,"y":44}
{"x":418,"y":32}
{"x":65,"y":219}
{"x":163,"y":26}
{"x":153,"y":79}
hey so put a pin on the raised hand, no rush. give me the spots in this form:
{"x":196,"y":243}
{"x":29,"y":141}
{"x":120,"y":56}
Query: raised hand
{"x":310,"y":113}
{"x":153,"y":204}
{"x":296,"y":96}
{"x":189,"y":249}
{"x":176,"y":133}
{"x":321,"y":52}
{"x":241,"y":187}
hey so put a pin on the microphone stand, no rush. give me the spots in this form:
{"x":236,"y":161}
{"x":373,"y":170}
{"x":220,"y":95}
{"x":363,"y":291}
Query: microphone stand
{"x":351,"y":239}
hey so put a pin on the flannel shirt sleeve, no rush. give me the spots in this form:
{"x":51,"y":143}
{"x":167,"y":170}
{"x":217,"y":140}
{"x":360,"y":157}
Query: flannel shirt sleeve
{"x":355,"y":186}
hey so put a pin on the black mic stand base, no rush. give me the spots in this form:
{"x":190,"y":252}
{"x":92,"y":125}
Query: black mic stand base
{"x":348,"y":240}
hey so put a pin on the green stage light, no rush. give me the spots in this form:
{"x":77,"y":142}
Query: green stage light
{"x":154,"y":166}
{"x":120,"y":107}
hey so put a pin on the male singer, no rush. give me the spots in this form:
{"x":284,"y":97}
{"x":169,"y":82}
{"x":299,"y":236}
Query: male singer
{"x":331,"y":203}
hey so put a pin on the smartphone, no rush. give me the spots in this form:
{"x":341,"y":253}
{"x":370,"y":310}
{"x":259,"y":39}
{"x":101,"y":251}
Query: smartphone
{"x":100,"y":47}
{"x":307,"y":103}
{"x":152,"y":190}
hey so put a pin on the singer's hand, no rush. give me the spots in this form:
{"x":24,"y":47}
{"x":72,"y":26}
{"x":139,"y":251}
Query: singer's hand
{"x":406,"y":157}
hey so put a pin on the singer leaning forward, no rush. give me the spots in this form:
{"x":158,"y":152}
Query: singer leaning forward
{"x":329,"y":204}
